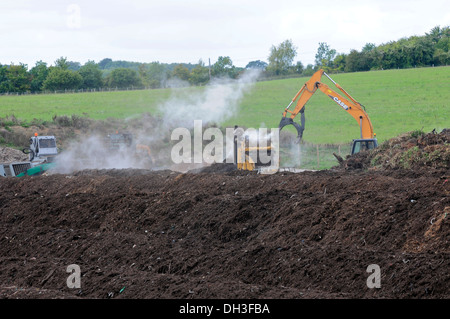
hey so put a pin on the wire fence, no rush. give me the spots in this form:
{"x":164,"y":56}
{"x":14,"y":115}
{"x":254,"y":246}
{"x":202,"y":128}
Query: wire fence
{"x":72,"y":91}
{"x":313,"y":156}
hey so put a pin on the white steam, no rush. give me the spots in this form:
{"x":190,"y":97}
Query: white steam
{"x":214,"y":104}
{"x":93,"y":152}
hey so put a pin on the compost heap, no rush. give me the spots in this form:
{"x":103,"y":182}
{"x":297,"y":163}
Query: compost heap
{"x":222,"y":233}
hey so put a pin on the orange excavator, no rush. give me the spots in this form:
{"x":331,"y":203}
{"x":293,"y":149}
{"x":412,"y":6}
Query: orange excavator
{"x":368,"y":138}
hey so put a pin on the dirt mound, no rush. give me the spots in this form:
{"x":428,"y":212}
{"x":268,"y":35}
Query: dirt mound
{"x":215,"y":168}
{"x":164,"y":234}
{"x":412,"y":151}
{"x":9,"y":155}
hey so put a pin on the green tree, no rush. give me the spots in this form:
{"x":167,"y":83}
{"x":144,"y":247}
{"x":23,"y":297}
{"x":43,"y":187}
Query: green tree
{"x":4,"y":84}
{"x":224,"y":68}
{"x":368,"y":47}
{"x":18,"y":78}
{"x":444,"y":44}
{"x":435,"y":34}
{"x":353,"y":61}
{"x":62,"y":63}
{"x":258,"y":64}
{"x":324,"y":56}
{"x":339,"y":62}
{"x":181,"y":72}
{"x":91,"y":74}
{"x":74,"y":66}
{"x":421,"y":52}
{"x":299,"y":67}
{"x":124,"y":78}
{"x":105,"y":63}
{"x":14,"y":78}
{"x":38,"y":75}
{"x":281,"y":58}
{"x":153,"y":74}
{"x":199,"y":74}
{"x":440,"y":57}
{"x":62,"y":79}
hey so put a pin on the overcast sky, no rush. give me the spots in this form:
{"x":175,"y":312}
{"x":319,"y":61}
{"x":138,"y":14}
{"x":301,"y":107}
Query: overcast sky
{"x":186,"y":31}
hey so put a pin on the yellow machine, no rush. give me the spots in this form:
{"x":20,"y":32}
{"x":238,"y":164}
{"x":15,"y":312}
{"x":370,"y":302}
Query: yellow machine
{"x":248,"y":154}
{"x":248,"y":161}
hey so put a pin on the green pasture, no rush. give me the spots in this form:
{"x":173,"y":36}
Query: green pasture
{"x":96,"y":105}
{"x":397,"y":101}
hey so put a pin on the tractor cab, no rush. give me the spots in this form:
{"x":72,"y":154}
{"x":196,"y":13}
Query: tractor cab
{"x":42,"y":148}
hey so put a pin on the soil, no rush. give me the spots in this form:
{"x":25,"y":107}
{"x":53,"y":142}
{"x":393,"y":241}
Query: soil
{"x":411,"y":150}
{"x":10,"y":155}
{"x":222,"y":233}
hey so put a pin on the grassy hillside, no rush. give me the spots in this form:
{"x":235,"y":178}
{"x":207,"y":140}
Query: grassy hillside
{"x":98,"y":105}
{"x":396,"y":101}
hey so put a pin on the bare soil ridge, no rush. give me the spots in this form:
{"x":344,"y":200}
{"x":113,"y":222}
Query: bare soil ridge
{"x":222,"y":233}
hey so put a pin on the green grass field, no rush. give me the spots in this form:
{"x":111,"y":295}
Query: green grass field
{"x":98,"y":105}
{"x":397,"y":101}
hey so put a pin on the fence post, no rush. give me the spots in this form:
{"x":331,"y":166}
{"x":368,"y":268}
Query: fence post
{"x":318,"y":159}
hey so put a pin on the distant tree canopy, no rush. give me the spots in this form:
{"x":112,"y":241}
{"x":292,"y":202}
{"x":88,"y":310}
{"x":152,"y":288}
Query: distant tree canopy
{"x":281,"y":58}
{"x":38,"y":75}
{"x":431,"y":49}
{"x":15,"y":78}
{"x":61,"y":79}
{"x":153,"y":75}
{"x":181,"y":72}
{"x":123,"y":77}
{"x":224,"y":68}
{"x":258,"y":64}
{"x":324,"y":56}
{"x":91,"y":74}
{"x":199,"y":74}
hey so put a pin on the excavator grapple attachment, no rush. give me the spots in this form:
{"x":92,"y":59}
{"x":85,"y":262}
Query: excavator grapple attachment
{"x":299,"y":127}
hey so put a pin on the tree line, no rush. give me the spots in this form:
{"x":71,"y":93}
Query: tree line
{"x":70,"y":75}
{"x":431,"y":49}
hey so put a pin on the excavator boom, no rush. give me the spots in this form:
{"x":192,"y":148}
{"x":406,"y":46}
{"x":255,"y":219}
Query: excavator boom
{"x":353,"y":108}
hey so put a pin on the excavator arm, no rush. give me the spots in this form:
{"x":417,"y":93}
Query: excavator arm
{"x":349,"y":104}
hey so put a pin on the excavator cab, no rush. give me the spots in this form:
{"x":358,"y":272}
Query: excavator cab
{"x":360,"y":145}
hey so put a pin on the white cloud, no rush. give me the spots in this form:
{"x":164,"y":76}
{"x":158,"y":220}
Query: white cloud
{"x":186,"y":31}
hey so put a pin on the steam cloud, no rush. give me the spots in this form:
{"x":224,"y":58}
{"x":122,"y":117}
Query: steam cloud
{"x":217,"y":102}
{"x":214,"y":103}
